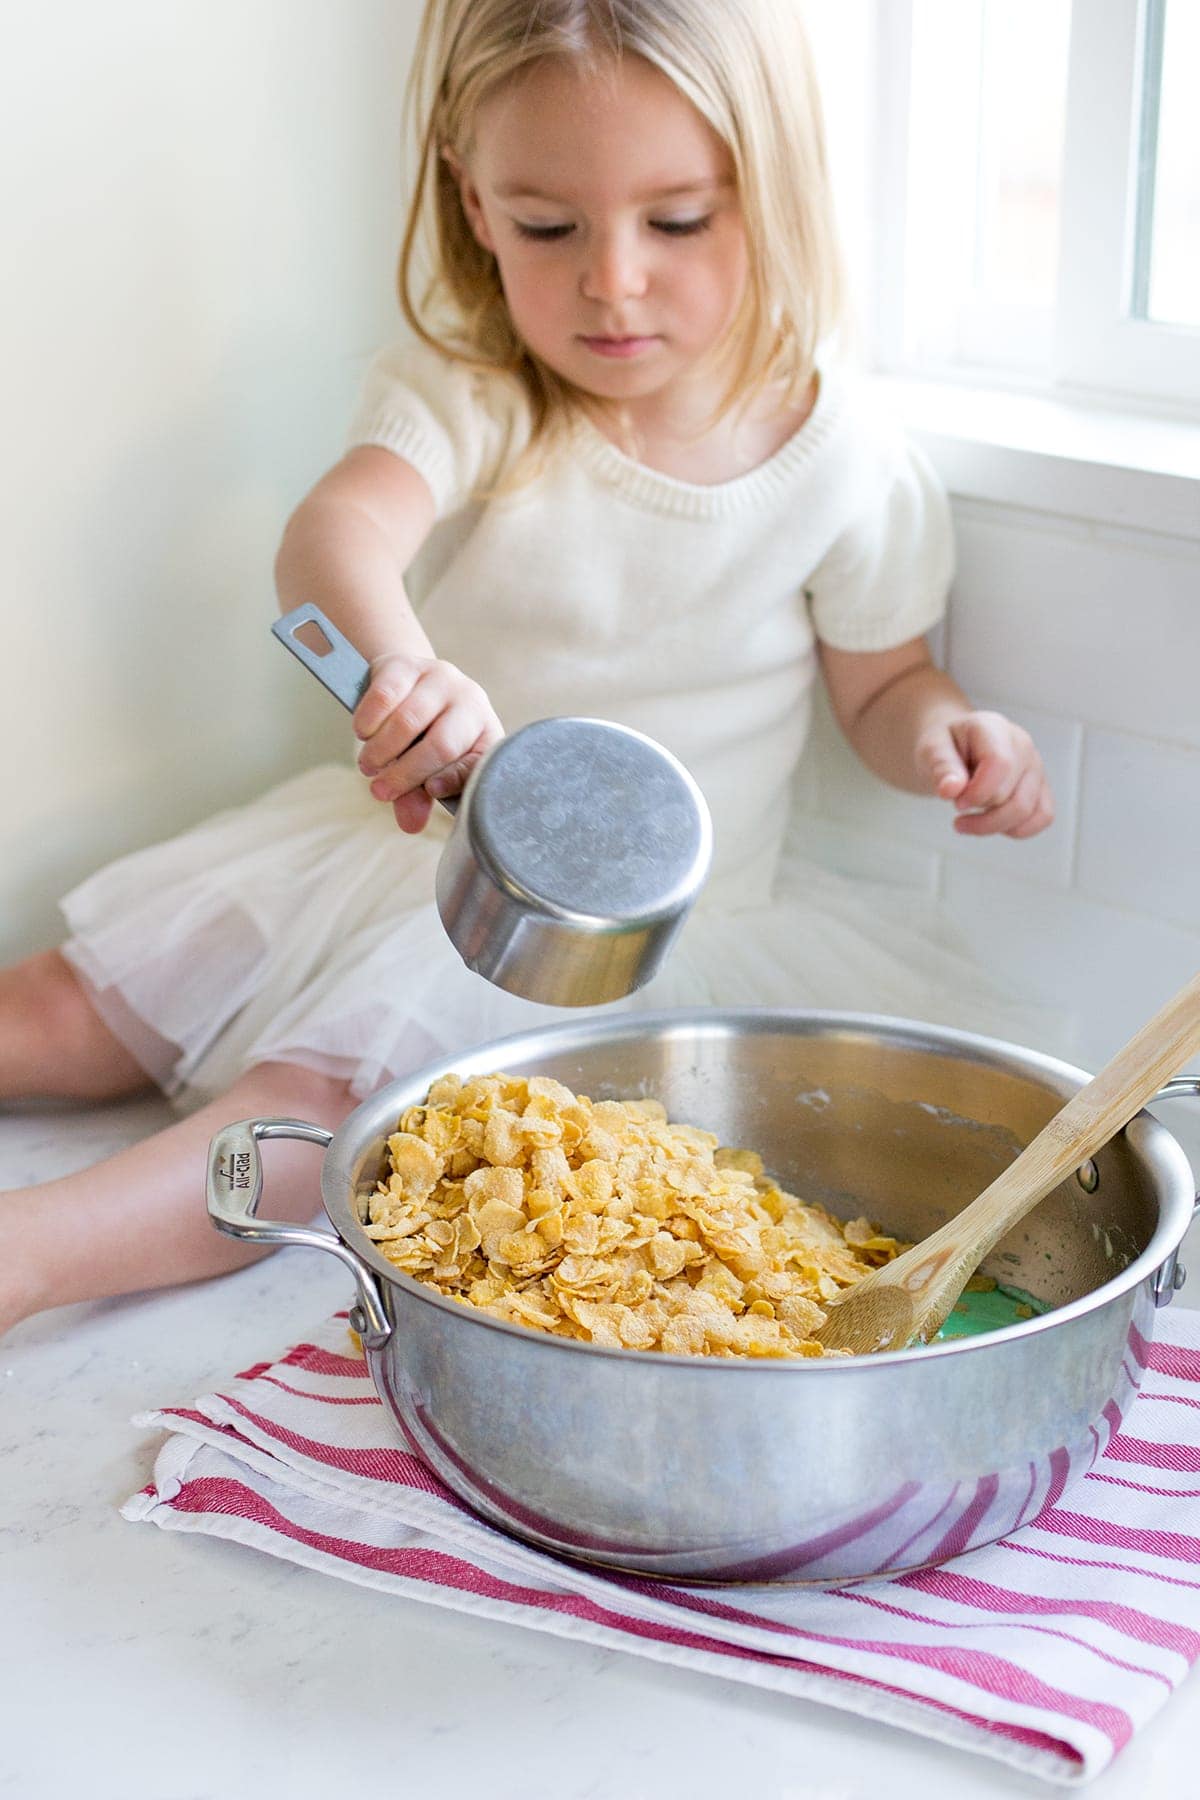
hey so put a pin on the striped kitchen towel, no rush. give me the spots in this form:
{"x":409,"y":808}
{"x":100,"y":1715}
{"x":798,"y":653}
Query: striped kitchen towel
{"x":1047,"y":1650}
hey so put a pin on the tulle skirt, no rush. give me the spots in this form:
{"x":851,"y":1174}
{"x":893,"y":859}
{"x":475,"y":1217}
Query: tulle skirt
{"x":301,"y":928}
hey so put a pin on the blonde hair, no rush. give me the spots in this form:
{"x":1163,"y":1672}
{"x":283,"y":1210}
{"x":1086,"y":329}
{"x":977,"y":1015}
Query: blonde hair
{"x":745,"y":65}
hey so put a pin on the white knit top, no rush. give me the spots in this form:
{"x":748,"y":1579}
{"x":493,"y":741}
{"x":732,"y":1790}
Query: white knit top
{"x":690,"y":612}
{"x":301,"y":928}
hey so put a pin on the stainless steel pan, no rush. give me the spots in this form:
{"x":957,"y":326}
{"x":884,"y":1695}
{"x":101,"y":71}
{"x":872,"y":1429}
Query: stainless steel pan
{"x":577,"y":851}
{"x":725,"y":1470}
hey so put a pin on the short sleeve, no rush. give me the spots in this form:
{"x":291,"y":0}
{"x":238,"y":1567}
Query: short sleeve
{"x":459,"y":427}
{"x":887,"y":574}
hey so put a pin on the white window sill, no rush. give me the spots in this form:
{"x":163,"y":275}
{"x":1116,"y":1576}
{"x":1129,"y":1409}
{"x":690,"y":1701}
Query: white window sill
{"x":1116,"y":468}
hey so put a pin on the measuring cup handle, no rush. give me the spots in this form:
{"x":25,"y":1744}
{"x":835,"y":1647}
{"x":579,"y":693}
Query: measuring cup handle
{"x":341,"y":669}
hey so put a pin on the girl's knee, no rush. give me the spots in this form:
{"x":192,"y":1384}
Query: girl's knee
{"x":54,"y":1042}
{"x":44,"y":989}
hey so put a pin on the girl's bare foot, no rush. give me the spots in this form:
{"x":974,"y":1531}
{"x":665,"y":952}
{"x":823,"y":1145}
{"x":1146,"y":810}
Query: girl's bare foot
{"x":138,"y":1219}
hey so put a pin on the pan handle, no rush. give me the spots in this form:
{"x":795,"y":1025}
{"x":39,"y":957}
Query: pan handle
{"x":1172,"y":1275}
{"x":340,"y":668}
{"x":235,"y":1180}
{"x":1180,"y":1087}
{"x":1177,"y":1088}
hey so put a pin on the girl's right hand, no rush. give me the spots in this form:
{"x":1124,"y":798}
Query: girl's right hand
{"x":424,"y":726}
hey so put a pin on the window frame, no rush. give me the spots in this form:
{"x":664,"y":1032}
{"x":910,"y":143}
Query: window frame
{"x":1099,"y":346}
{"x":1092,"y":350}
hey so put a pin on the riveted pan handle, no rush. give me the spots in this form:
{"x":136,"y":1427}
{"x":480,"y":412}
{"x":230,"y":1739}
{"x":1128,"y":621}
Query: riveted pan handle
{"x":1172,"y":1275}
{"x":1181,"y":1087}
{"x":235,"y":1180}
{"x":1178,"y":1088}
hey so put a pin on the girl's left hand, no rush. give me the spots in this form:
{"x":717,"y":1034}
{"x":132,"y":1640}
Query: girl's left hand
{"x":991,"y":770}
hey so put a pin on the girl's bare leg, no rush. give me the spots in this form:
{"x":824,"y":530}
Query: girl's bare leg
{"x":138,"y":1219}
{"x":53,"y":1043}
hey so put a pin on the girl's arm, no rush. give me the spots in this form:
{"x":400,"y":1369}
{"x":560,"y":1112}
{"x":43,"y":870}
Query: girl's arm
{"x":424,"y":724}
{"x":913,"y":726}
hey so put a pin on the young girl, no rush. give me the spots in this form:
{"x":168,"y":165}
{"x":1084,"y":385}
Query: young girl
{"x":614,"y":471}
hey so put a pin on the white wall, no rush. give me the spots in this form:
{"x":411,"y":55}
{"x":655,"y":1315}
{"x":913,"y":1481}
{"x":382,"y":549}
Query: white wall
{"x":201,"y":213}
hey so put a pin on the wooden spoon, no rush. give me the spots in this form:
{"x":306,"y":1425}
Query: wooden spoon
{"x":909,"y":1299}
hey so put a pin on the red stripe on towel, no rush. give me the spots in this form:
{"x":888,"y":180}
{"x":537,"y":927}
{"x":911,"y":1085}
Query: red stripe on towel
{"x":965,"y":1590}
{"x":441,"y":1569}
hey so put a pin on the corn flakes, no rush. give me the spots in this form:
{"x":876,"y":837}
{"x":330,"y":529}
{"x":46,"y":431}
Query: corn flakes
{"x":604,"y":1222}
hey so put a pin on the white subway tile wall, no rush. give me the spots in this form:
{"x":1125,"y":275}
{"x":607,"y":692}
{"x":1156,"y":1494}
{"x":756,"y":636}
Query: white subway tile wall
{"x":1090,"y":637}
{"x":1140,"y":821}
{"x":1080,"y":620}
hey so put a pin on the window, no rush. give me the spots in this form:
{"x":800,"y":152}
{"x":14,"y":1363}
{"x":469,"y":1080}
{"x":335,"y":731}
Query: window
{"x":1024,"y":201}
{"x":1166,"y":271}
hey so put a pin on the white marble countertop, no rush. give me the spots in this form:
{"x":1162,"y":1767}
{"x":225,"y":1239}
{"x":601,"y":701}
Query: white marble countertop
{"x":145,"y":1665}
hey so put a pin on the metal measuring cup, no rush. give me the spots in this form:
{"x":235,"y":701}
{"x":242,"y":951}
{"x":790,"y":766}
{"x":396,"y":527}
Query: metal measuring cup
{"x":577,"y":850}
